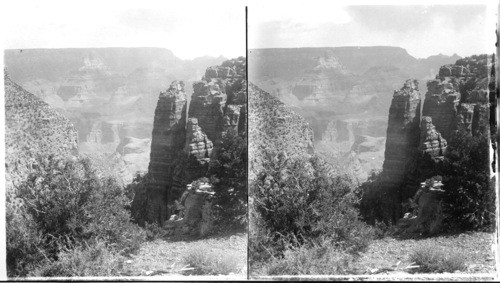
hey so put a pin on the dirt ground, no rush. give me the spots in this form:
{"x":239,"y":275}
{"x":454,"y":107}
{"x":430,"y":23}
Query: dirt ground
{"x":163,"y":259}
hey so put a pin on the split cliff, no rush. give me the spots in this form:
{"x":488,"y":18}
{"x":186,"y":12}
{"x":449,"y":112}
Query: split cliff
{"x":183,"y":140}
{"x":417,"y":140}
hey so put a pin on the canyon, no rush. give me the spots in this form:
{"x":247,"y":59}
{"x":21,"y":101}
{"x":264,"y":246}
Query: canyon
{"x":458,"y":98}
{"x":343,"y":93}
{"x":186,"y":134}
{"x":109,"y":94}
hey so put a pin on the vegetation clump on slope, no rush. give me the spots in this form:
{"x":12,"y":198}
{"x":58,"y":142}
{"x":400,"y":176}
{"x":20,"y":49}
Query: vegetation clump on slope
{"x":66,"y":220}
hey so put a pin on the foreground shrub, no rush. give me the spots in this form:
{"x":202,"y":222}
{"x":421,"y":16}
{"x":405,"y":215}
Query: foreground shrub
{"x":299,"y":201}
{"x":469,"y":199}
{"x":210,"y":262}
{"x":63,"y":204}
{"x":432,"y":258}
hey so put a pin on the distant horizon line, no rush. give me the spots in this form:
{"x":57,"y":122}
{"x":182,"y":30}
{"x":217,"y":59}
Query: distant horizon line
{"x":366,"y":46}
{"x":126,"y":47}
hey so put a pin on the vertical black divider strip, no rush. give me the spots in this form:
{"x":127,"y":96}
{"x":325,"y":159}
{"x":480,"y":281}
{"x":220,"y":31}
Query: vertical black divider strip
{"x":248,"y":137}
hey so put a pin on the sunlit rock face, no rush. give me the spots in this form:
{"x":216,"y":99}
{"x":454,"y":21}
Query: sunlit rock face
{"x":431,"y":141}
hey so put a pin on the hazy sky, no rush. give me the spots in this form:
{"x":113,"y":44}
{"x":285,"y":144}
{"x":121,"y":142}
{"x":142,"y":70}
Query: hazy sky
{"x":188,"y":28}
{"x":421,"y":30}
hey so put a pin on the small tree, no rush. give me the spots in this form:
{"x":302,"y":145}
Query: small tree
{"x":228,"y":171}
{"x":469,"y":200}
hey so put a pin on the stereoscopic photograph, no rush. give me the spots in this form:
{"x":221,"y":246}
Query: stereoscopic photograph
{"x":370,"y":130}
{"x":249,"y":140}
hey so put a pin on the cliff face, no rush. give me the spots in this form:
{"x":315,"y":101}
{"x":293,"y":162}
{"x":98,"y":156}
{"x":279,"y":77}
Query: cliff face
{"x":183,"y":142}
{"x":402,"y":132}
{"x":168,"y":132}
{"x":32,"y":127}
{"x":457,"y":98}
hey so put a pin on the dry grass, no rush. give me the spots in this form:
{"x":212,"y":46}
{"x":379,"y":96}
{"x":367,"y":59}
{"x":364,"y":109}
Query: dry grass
{"x":432,"y":258}
{"x":167,"y":257}
{"x":211,"y":262}
{"x":389,"y":253}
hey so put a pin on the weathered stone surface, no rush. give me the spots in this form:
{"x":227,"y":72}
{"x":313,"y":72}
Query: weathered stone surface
{"x":431,"y":141}
{"x":441,"y":104}
{"x":194,"y":216}
{"x":274,"y":126}
{"x":32,"y":127}
{"x":182,"y":146}
{"x":402,"y":132}
{"x":222,"y":87}
{"x":168,"y":132}
{"x":232,"y":118}
{"x":457,"y":99}
{"x":167,"y":142}
{"x":197,"y":143}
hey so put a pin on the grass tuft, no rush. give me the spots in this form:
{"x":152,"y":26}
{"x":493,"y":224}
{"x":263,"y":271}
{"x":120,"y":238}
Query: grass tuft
{"x":210,"y":262}
{"x":316,"y":260}
{"x":431,"y":258}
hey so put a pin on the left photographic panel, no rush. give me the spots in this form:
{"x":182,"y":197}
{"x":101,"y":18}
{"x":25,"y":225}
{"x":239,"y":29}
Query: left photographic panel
{"x":125,"y":140}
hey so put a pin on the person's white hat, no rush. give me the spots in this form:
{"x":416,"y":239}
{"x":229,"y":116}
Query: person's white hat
{"x":437,"y":184}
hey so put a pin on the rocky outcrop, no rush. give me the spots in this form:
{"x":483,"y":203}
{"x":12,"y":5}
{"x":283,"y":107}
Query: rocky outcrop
{"x":441,"y":104}
{"x":193,"y":212}
{"x":218,"y":99}
{"x":456,"y":99}
{"x":168,"y":132}
{"x":275,"y":128}
{"x":431,"y":141}
{"x":180,"y":151}
{"x":167,"y":142}
{"x":32,"y":127}
{"x":197,"y":142}
{"x":402,"y":132}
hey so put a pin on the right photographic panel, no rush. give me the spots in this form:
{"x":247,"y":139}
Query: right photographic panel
{"x":372,"y":136}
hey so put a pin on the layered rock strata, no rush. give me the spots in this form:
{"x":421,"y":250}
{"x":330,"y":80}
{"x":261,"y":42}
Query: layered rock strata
{"x":182,"y":146}
{"x":402,"y":132}
{"x":431,"y":141}
{"x":457,"y":99}
{"x":167,"y":142}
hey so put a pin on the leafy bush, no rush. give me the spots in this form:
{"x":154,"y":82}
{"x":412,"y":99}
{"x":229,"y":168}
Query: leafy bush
{"x":432,"y":258}
{"x":208,"y":262}
{"x":469,"y":199}
{"x":300,"y":201}
{"x":66,"y":203}
{"x":228,"y":169}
